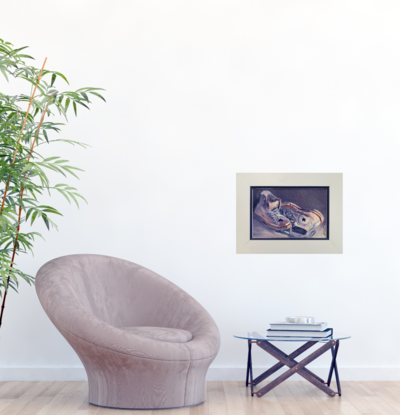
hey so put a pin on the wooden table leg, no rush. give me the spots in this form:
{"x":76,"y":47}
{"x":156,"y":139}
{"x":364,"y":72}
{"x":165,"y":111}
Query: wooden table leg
{"x":251,"y":374}
{"x":334,"y":367}
{"x":288,"y":360}
{"x":295,"y":367}
{"x":248,"y":363}
{"x":279,"y":365}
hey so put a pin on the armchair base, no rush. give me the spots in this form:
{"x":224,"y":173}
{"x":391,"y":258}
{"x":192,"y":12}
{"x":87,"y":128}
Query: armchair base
{"x":147,"y":409}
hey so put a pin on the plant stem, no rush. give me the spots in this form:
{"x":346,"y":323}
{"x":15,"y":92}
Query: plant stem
{"x":19,"y":215}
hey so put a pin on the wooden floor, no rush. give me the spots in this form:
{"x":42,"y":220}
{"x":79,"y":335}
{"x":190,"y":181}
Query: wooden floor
{"x":223,"y":398}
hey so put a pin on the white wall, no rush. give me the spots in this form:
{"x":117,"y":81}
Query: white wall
{"x":200,"y":90}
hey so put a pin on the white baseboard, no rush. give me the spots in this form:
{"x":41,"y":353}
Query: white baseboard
{"x":214,"y":373}
{"x":42,"y":373}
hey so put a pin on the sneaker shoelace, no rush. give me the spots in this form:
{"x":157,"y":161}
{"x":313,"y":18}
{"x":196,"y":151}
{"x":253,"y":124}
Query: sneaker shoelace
{"x":276,"y":215}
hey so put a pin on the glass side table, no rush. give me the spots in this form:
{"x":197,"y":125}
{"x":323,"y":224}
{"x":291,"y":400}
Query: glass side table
{"x":266,"y":343}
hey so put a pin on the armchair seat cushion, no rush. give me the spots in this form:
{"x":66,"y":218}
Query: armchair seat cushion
{"x":162,"y":334}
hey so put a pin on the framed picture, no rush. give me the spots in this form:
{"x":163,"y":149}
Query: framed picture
{"x":289,"y":213}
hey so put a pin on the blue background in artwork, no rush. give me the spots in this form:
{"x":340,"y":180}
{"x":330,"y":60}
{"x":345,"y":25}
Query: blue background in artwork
{"x":304,"y":197}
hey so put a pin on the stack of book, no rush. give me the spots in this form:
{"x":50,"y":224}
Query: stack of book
{"x":298,"y":331}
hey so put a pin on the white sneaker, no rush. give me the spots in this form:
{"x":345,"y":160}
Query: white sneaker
{"x":268,"y":211}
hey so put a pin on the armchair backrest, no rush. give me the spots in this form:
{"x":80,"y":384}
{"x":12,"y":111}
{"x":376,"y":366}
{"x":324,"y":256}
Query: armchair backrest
{"x":120,"y":293}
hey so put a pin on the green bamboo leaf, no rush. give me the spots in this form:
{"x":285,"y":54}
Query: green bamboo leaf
{"x":78,"y":195}
{"x":46,"y":221}
{"x":62,"y":76}
{"x":25,"y":56}
{"x":83,"y":105}
{"x":4,"y":73}
{"x":14,"y":278}
{"x":74,"y":199}
{"x":98,"y":95}
{"x":19,"y":49}
{"x":12,"y":287}
{"x":4,"y":278}
{"x":35,"y":213}
{"x":64,"y":194}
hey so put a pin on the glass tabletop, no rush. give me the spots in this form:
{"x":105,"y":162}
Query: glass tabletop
{"x":262,"y":335}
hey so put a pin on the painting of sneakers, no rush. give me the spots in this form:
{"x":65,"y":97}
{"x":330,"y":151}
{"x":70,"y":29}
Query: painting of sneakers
{"x":289,"y":212}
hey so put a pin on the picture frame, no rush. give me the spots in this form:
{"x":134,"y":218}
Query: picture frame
{"x":245,"y":241}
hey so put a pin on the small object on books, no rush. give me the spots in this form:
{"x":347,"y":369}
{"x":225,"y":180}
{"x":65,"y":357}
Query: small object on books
{"x":300,"y":320}
{"x":296,"y":326}
{"x":317,"y":334}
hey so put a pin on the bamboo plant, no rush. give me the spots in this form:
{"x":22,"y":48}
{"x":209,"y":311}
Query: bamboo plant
{"x":25,"y":126}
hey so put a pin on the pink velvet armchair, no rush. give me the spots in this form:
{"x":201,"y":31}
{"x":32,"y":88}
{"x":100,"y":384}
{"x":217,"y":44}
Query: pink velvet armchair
{"x":144,"y":342}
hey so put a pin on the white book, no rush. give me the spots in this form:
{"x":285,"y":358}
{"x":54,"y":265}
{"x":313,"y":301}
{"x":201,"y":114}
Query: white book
{"x":299,"y":333}
{"x":296,"y":326}
{"x":296,"y":338}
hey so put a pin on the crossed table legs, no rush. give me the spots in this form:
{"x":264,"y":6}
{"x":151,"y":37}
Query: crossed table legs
{"x":294,"y":366}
